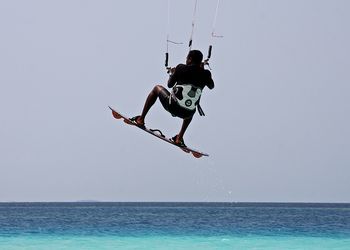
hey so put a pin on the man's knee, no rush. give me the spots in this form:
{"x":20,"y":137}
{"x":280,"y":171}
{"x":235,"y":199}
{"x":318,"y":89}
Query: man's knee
{"x":158,"y":88}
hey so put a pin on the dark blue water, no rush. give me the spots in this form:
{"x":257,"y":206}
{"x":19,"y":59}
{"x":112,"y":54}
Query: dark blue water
{"x":175,"y":219}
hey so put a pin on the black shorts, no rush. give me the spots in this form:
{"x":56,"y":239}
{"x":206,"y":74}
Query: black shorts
{"x":172,"y":107}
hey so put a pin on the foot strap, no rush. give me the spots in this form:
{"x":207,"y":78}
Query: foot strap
{"x":157,"y":130}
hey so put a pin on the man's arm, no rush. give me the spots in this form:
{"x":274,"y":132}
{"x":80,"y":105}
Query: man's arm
{"x":174,"y":76}
{"x":210,"y":82}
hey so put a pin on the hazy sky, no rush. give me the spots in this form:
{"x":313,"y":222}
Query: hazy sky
{"x":276,"y":125}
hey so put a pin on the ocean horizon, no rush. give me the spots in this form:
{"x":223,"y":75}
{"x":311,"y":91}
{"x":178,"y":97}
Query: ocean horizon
{"x":174,"y":225}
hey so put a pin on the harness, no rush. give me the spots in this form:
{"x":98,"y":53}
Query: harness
{"x":187,"y":96}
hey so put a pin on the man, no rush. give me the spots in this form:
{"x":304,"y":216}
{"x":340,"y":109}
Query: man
{"x":187,"y":82}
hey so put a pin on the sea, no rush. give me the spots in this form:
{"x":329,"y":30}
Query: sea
{"x":134,"y":225}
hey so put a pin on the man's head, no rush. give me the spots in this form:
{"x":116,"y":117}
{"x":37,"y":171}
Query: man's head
{"x":194,"y":57}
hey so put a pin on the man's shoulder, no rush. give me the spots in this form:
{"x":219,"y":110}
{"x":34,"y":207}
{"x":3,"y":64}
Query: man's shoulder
{"x":181,"y":66}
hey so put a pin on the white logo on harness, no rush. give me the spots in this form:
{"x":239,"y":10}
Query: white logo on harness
{"x":188,"y":103}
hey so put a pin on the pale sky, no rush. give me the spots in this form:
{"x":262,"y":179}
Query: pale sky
{"x":276,"y":125}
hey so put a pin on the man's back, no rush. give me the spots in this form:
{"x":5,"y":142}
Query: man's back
{"x":191,"y":74}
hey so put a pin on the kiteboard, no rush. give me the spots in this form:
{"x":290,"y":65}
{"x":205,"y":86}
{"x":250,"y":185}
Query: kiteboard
{"x":157,"y":133}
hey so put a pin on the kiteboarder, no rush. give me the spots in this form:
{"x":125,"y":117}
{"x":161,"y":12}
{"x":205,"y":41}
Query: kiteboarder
{"x":187,"y":82}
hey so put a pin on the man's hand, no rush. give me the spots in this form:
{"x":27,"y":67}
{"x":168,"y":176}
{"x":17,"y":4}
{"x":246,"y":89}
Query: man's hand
{"x":205,"y":63}
{"x":170,"y":70}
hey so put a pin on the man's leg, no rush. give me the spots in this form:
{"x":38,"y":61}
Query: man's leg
{"x":185,"y":124}
{"x":151,"y":99}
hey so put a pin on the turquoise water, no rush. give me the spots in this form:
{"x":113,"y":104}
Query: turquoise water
{"x":174,"y":226}
{"x":184,"y":242}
